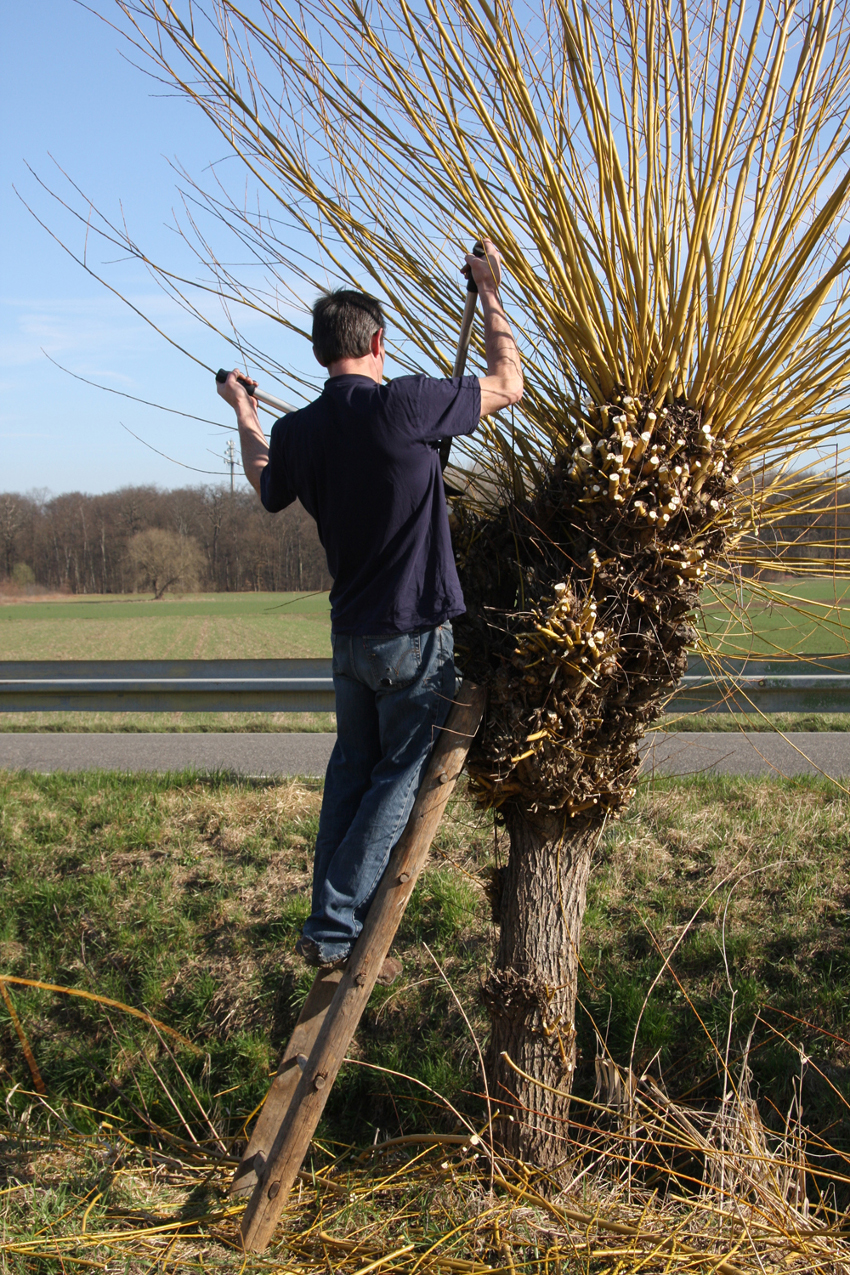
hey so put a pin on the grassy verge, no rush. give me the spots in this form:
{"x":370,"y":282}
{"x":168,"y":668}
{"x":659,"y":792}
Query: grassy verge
{"x":722,"y":723}
{"x":746,"y":883}
{"x":185,"y":896}
{"x":289,"y":723}
{"x":182,"y":896}
{"x":172,"y":723}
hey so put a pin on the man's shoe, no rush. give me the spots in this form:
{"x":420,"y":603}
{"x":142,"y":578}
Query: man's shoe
{"x":310,"y":954}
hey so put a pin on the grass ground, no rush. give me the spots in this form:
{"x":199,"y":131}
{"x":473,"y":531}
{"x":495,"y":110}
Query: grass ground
{"x":182,"y":896}
{"x":186,"y":895}
{"x":132,"y":723}
{"x":805,"y":617}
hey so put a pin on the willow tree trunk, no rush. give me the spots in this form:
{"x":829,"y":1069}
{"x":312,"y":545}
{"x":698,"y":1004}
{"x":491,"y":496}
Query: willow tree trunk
{"x":580,"y":598}
{"x":531,"y":993}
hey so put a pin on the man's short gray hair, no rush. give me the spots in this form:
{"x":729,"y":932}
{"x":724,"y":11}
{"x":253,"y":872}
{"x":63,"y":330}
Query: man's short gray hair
{"x":344,"y":323}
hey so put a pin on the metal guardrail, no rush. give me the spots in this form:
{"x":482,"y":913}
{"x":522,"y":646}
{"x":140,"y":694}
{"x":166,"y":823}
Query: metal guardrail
{"x":820,"y":684}
{"x":164,"y":686}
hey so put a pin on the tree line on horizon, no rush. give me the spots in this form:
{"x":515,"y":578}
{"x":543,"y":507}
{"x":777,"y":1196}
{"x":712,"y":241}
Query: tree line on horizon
{"x":143,"y":539}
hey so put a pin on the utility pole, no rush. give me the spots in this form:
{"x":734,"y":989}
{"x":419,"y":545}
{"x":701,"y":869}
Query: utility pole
{"x":230,"y":459}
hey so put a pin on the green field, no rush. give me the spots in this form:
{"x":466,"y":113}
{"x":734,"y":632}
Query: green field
{"x":809,"y":617}
{"x":194,"y":626}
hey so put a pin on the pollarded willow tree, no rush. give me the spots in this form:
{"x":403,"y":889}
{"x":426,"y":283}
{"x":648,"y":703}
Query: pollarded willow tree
{"x":668,"y":183}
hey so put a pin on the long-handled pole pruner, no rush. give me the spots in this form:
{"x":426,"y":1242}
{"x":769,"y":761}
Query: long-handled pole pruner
{"x":260,"y":395}
{"x":466,"y":334}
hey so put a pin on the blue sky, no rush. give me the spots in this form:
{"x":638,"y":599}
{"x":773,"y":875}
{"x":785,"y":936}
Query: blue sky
{"x":68,"y":93}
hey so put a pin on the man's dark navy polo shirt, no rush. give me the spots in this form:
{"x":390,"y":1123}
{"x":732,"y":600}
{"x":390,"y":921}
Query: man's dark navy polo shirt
{"x":363,"y":460}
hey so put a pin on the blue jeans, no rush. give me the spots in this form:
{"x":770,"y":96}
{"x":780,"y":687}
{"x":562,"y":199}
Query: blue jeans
{"x":393,"y":693}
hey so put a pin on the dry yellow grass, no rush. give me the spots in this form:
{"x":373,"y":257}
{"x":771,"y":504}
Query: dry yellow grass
{"x":648,"y":1187}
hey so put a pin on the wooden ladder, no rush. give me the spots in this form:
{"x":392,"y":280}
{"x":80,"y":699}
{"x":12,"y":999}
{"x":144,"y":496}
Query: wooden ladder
{"x":332,"y":1010}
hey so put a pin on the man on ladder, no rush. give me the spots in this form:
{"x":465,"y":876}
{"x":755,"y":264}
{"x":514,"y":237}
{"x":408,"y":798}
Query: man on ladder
{"x":363,"y":460}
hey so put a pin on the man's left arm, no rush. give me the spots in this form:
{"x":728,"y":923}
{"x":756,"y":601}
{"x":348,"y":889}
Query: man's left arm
{"x":255,"y":449}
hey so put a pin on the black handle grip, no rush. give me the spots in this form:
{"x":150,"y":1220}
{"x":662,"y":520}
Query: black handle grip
{"x":477,"y":251}
{"x":222,"y":375}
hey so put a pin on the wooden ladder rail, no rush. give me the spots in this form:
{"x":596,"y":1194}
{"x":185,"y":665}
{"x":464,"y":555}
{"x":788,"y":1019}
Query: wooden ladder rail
{"x":328,"y":1021}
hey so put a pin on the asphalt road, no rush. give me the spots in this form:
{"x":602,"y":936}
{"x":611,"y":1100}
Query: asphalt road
{"x":681,"y":753}
{"x":255,"y":754}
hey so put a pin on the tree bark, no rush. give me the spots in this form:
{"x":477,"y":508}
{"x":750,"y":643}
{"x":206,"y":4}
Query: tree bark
{"x":531,"y":993}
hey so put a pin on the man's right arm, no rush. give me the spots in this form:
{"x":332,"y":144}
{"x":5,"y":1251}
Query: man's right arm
{"x":255,"y":449}
{"x":503,"y":384}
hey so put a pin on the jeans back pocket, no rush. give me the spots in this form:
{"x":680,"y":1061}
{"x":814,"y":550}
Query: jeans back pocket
{"x":395,"y":659}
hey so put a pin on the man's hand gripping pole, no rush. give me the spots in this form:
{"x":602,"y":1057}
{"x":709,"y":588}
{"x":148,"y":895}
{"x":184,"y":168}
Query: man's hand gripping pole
{"x":466,"y":331}
{"x":260,"y":395}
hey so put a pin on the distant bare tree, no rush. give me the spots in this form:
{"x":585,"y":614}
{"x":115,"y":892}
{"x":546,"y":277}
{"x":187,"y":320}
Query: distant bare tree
{"x":11,"y":522}
{"x":163,"y":560}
